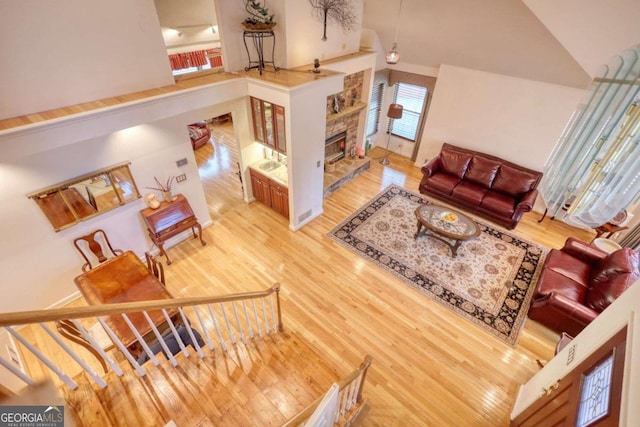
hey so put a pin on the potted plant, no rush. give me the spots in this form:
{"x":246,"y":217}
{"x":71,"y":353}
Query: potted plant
{"x":259,"y":16}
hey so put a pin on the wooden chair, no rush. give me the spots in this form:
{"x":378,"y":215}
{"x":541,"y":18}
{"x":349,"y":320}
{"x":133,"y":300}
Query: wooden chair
{"x":67,"y":329}
{"x":98,"y":244}
{"x":155,"y":267}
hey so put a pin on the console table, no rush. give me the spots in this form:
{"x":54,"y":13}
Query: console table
{"x":257,"y":37}
{"x":170,"y":219}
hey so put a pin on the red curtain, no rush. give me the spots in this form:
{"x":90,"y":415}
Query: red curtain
{"x":197,"y":58}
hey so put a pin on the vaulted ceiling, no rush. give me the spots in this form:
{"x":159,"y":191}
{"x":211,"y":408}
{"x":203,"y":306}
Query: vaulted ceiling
{"x":498,"y":36}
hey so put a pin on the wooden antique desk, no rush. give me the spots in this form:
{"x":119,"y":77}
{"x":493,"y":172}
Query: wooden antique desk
{"x":170,"y":219}
{"x":124,"y":279}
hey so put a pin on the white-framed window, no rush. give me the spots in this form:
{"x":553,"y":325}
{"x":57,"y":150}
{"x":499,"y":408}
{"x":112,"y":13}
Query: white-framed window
{"x":375,"y":106}
{"x":412,"y":98}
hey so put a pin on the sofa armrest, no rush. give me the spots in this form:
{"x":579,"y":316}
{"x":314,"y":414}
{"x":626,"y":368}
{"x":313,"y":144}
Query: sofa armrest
{"x":583,"y":251}
{"x":572,"y":308}
{"x":431,"y":167}
{"x":525,"y":204}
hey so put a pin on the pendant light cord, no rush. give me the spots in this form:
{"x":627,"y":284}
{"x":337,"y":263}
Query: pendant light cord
{"x":395,"y":37}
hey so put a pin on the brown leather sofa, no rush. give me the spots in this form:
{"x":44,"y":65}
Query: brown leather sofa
{"x":578,"y":282}
{"x":486,"y":185}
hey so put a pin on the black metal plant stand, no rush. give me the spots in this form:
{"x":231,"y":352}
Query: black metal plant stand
{"x":257,"y":37}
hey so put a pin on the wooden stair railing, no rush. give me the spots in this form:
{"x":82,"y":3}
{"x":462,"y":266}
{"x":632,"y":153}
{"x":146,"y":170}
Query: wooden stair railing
{"x":245,"y":319}
{"x":350,"y":400}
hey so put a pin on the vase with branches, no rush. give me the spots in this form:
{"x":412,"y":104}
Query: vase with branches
{"x":164,"y":188}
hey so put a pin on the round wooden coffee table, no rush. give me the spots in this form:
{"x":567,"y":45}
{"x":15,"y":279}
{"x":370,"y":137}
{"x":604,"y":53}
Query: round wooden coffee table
{"x":445,"y":224}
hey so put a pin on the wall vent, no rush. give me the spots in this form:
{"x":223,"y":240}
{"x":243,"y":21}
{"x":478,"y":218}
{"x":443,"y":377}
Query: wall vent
{"x":304,"y":216}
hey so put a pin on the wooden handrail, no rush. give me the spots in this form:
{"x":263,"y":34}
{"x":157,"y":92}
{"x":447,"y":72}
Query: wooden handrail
{"x":303,"y":415}
{"x":37,"y":316}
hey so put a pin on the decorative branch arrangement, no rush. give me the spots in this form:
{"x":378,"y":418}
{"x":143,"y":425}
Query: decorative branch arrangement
{"x":338,"y":11}
{"x":165,"y":188}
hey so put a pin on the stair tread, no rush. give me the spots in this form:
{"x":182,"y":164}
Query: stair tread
{"x":121,"y":392}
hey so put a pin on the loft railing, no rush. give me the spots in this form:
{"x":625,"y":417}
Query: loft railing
{"x":350,"y":400}
{"x":221,"y":319}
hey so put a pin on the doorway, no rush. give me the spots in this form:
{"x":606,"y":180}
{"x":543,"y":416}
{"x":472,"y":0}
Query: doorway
{"x":217,"y":162}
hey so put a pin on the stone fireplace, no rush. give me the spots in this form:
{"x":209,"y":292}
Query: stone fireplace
{"x":344,"y":111}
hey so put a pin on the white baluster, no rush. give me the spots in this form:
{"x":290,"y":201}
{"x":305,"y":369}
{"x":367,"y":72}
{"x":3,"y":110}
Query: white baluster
{"x":17,"y":372}
{"x":163,"y":344}
{"x":255,"y":316}
{"x":75,"y":357}
{"x":59,"y":372}
{"x":352,"y":387}
{"x":358,"y":385}
{"x":226,"y":319}
{"x":122,"y":347}
{"x":87,"y":336}
{"x":215,"y":325}
{"x":141,"y":341}
{"x":246,"y":316}
{"x":343,"y":403}
{"x":273,"y":315}
{"x":240,"y":329}
{"x":175,"y":333}
{"x":203,"y":327}
{"x":194,"y":342}
{"x":264,"y":315}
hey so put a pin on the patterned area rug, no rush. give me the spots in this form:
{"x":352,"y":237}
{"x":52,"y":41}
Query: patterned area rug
{"x":489,"y":283}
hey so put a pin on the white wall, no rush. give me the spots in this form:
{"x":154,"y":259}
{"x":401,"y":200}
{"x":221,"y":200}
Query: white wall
{"x":297,"y":35}
{"x":592,"y":31}
{"x":623,"y":311}
{"x":151,"y":134}
{"x":304,"y":35}
{"x":516,"y":119}
{"x":53,"y":56}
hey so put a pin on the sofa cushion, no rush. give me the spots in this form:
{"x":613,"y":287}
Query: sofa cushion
{"x":443,"y":182}
{"x":454,"y":162}
{"x":469,"y":192}
{"x":551,"y":281}
{"x":498,"y":203}
{"x":482,"y":171}
{"x":514,"y":181}
{"x":611,"y":277}
{"x":568,"y":266}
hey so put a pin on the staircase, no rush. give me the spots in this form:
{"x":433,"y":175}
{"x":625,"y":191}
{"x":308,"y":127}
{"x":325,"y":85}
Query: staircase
{"x":250,"y":371}
{"x":264,"y":382}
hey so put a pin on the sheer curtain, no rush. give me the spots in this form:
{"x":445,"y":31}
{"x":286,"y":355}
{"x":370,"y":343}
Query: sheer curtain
{"x":594,"y":170}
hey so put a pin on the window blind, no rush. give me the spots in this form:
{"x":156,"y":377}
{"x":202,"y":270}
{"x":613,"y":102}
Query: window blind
{"x":375,"y":105}
{"x":412,"y":99}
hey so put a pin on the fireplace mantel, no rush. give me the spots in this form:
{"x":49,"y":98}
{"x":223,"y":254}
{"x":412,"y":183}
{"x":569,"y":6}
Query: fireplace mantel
{"x":346,"y":112}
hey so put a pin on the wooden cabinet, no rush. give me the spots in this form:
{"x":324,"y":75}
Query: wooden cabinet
{"x":279,"y":198}
{"x":271,"y":193}
{"x":268,"y":124}
{"x":260,"y":185}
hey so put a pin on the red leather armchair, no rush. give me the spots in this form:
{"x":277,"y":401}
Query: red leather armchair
{"x":199,"y":134}
{"x":578,"y":282}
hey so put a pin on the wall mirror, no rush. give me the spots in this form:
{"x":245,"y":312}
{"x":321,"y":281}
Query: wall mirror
{"x":86,"y":196}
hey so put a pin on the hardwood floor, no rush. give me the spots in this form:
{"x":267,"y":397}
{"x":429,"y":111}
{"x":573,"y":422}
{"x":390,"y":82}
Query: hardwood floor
{"x":430,"y":367}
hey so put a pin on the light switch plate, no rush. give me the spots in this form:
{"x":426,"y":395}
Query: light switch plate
{"x":181,"y":178}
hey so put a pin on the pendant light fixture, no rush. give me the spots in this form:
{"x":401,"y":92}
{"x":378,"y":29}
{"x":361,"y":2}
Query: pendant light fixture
{"x":393,"y":56}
